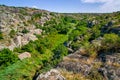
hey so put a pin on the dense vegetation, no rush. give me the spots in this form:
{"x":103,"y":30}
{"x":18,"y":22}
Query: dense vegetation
{"x":79,"y":29}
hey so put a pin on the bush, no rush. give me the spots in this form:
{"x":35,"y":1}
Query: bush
{"x":75,"y":45}
{"x":95,"y":75}
{"x":7,"y":57}
{"x":1,"y":36}
{"x":36,"y":16}
{"x":12,"y":33}
{"x":59,"y":53}
{"x":70,"y":19}
{"x":74,"y":34}
{"x":25,"y":31}
{"x":95,"y":32}
{"x":111,"y":41}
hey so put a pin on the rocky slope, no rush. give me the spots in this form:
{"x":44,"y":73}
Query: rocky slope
{"x":18,"y":25}
{"x":107,"y":66}
{"x":78,"y":67}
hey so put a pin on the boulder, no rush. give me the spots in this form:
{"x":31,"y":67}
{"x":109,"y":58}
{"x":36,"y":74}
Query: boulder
{"x":24,"y":55}
{"x":28,"y":37}
{"x":37,"y":31}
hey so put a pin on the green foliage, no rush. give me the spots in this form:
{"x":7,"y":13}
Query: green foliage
{"x":61,"y":26}
{"x":25,"y":24}
{"x":74,"y":34}
{"x":82,"y":23}
{"x":7,"y":57}
{"x":70,"y":19}
{"x":75,"y":45}
{"x":62,"y":29}
{"x":25,"y":31}
{"x":1,"y":35}
{"x":59,"y":53}
{"x":17,"y":49}
{"x":22,"y":11}
{"x":111,"y":41}
{"x":38,"y":25}
{"x":26,"y":68}
{"x":49,"y":30}
{"x":95,"y":75}
{"x":79,"y":31}
{"x":12,"y":33}
{"x":82,"y":29}
{"x":36,"y":16}
{"x":49,"y":50}
{"x":52,"y":14}
{"x":95,"y":32}
{"x":111,"y":38}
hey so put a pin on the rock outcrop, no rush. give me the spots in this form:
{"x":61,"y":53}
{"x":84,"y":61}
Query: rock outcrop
{"x":14,"y":20}
{"x":107,"y":65}
{"x":24,"y":55}
{"x":53,"y":74}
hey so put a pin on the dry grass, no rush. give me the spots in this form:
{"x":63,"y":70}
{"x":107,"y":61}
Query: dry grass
{"x":72,"y":76}
{"x":88,"y":61}
{"x":113,"y":64}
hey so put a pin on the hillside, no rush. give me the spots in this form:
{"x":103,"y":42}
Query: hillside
{"x":42,"y":45}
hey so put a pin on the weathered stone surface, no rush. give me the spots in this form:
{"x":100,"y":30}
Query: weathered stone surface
{"x":110,"y":72}
{"x":12,"y":18}
{"x":108,"y":65}
{"x":53,"y":74}
{"x":27,"y":37}
{"x":17,"y":41}
{"x":24,"y":55}
{"x":36,"y":31}
{"x":12,"y":46}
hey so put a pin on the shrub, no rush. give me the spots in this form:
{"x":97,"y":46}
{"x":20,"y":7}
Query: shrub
{"x":95,"y":75}
{"x":7,"y":57}
{"x":36,"y":16}
{"x":1,"y":35}
{"x":12,"y":33}
{"x":25,"y":31}
{"x":74,"y":34}
{"x":52,"y":14}
{"x":59,"y":53}
{"x":69,"y":19}
{"x":111,"y":41}
{"x":95,"y":32}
